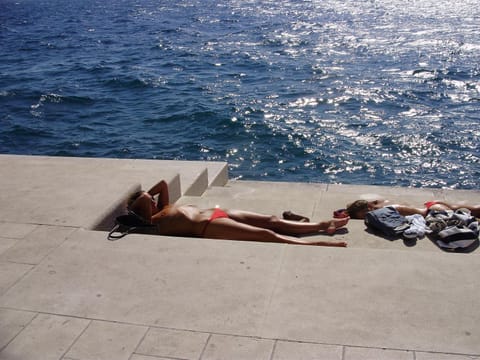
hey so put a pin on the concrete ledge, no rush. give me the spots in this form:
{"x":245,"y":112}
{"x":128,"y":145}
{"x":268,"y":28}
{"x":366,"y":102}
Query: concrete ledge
{"x":218,"y":174}
{"x":198,"y":186}
{"x":204,"y":179}
{"x":106,"y":220}
{"x":68,"y":293}
{"x":79,"y":191}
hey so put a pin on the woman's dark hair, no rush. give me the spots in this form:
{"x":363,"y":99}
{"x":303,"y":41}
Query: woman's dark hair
{"x":133,"y":197}
{"x":354,"y":208}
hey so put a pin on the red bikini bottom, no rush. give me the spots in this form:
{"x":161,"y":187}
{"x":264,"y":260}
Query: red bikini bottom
{"x":429,"y":204}
{"x":216,"y":214}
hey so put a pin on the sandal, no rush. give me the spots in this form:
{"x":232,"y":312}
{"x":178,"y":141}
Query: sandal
{"x":288,"y":215}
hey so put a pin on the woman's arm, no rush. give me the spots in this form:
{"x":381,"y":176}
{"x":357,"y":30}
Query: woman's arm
{"x":161,"y":188}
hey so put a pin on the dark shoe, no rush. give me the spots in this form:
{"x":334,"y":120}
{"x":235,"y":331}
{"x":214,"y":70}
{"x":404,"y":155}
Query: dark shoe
{"x":288,"y":215}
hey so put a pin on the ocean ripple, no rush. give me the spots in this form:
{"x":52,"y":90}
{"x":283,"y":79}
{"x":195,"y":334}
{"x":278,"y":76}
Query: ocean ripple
{"x":355,"y":92}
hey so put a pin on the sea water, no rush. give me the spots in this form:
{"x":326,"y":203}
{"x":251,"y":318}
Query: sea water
{"x":380,"y":92}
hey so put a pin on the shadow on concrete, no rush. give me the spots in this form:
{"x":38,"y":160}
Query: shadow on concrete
{"x":464,"y":250}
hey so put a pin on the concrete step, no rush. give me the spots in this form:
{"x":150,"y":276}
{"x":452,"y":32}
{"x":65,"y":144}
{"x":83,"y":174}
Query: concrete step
{"x":87,"y":192}
{"x":195,"y":176}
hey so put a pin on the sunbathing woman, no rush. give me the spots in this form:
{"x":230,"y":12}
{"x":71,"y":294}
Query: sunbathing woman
{"x":359,"y":208}
{"x":189,"y":220}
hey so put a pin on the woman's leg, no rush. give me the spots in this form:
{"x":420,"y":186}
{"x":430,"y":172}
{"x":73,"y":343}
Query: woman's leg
{"x":230,"y":229}
{"x":474,"y":209}
{"x":408,"y":210}
{"x":285,"y":226}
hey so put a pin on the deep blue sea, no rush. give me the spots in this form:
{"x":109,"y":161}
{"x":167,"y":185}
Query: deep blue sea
{"x":382,"y":92}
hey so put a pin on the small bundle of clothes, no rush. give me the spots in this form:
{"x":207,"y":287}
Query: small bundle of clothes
{"x":451,"y":230}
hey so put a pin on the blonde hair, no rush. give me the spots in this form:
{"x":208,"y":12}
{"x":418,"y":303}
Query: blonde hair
{"x":354,"y":208}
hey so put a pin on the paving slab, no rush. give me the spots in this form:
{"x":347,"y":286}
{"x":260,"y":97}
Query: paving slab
{"x":36,"y":245}
{"x":143,"y":357}
{"x":171,"y":343}
{"x":221,"y":347}
{"x":105,"y":341}
{"x":46,"y":337}
{"x":15,"y":230}
{"x":10,"y":273}
{"x":358,"y":353}
{"x":436,"y":356}
{"x":12,"y":322}
{"x":288,"y":350}
{"x":6,"y":243}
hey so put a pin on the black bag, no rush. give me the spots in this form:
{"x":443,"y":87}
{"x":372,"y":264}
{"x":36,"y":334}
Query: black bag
{"x":128,"y":223}
{"x":387,"y":220}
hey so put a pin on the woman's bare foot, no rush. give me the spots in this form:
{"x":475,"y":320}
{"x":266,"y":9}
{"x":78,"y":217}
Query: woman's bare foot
{"x":330,"y":227}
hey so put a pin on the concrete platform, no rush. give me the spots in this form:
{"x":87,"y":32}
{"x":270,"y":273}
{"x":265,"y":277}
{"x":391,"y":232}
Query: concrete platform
{"x":68,"y":293}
